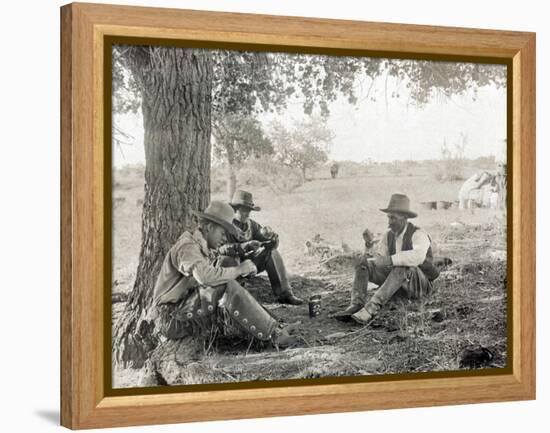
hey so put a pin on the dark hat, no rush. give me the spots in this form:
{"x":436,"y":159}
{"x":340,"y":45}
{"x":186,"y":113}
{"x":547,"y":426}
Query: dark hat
{"x":243,"y":198}
{"x":221,"y":214}
{"x":400,"y":204}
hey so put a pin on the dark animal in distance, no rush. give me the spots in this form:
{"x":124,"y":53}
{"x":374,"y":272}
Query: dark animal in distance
{"x":334,"y":170}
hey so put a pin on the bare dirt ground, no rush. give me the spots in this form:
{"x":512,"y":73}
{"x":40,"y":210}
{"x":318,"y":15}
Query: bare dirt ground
{"x":466,"y":311}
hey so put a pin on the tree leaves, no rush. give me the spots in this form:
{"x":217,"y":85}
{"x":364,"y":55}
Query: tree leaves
{"x":247,"y":83}
{"x":238,"y":137}
{"x":303,"y":146}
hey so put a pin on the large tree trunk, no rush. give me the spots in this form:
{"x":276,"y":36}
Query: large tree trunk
{"x":176,"y":87}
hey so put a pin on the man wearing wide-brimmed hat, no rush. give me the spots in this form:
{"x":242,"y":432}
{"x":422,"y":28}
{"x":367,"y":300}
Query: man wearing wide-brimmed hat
{"x":260,"y":245}
{"x":404,"y":262}
{"x":193,"y":295}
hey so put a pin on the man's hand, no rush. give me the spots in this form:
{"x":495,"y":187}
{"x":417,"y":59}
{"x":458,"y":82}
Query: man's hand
{"x":268,"y":234}
{"x":274,"y":241}
{"x":382,"y":261}
{"x":247,"y":268}
{"x":252,"y":245}
{"x":229,"y":250}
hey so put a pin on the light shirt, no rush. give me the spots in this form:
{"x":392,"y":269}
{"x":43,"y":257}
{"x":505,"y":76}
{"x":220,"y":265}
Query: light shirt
{"x":420,"y":241}
{"x":188,"y":263}
{"x":198,"y":262}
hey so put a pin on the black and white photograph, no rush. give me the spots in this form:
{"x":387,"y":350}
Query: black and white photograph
{"x":280,"y":215}
{"x":275,"y":216}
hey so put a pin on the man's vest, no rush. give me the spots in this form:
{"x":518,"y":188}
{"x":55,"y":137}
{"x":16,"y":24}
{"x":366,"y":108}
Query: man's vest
{"x":427,"y":266}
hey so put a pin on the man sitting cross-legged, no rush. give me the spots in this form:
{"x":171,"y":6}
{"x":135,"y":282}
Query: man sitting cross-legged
{"x":404,"y":262}
{"x":260,"y":245}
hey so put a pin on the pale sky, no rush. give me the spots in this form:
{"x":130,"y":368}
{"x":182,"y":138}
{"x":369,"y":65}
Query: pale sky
{"x":403,"y":131}
{"x":386,"y":130}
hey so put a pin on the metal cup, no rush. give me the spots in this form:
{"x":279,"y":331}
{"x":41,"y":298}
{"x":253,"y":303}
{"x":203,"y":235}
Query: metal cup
{"x":314,"y":306}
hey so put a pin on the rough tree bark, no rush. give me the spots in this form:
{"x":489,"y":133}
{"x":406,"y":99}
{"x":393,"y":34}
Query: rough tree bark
{"x":176,"y":87}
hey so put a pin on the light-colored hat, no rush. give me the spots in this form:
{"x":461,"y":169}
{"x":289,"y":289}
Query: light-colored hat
{"x":243,"y":198}
{"x":220,"y":213}
{"x":400,"y":204}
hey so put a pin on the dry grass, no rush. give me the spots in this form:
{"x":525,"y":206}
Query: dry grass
{"x":467,"y":309}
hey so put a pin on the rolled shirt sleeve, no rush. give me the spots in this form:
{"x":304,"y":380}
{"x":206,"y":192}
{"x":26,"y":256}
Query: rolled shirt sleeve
{"x":416,"y":256}
{"x":207,"y":274}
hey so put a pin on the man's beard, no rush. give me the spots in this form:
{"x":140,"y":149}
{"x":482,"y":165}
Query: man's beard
{"x":396,"y":228}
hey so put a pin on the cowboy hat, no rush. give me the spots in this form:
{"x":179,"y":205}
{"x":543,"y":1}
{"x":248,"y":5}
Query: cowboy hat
{"x":400,"y":204}
{"x":220,"y":213}
{"x":243,"y":198}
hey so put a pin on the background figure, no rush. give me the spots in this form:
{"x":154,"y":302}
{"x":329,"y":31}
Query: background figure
{"x":501,"y":185}
{"x":470,"y":191}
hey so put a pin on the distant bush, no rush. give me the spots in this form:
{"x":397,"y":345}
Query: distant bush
{"x":439,"y":175}
{"x":396,"y":168}
{"x":449,"y":173}
{"x":261,"y":172}
{"x":352,"y":168}
{"x":131,"y":170}
{"x":485,"y":162}
{"x":453,"y":162}
{"x":128,"y":176}
{"x":257,"y":173}
{"x":218,"y":179}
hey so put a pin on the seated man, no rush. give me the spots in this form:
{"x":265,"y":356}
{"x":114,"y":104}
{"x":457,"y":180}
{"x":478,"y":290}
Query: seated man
{"x":260,"y":245}
{"x":192,"y":295}
{"x":404,"y":261}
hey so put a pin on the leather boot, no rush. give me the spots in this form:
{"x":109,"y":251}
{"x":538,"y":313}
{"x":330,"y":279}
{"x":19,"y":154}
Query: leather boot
{"x":366,"y":314}
{"x":278,"y":277}
{"x":282,"y":339}
{"x":345,"y":315}
{"x":358,"y":292}
{"x":243,"y":308}
{"x":395,"y":280}
{"x":360,"y":283}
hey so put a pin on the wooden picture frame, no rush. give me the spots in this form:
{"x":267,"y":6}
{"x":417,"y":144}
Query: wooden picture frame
{"x":84,"y":216}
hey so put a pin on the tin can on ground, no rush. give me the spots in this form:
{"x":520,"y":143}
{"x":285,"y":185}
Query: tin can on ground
{"x":314,"y":305}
